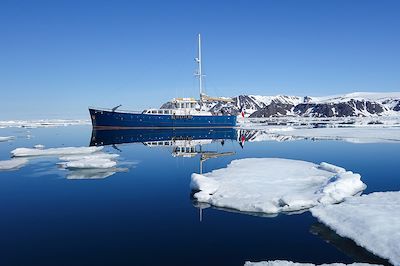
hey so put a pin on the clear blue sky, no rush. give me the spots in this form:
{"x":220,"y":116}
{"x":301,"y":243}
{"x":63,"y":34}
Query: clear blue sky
{"x":58,"y":57}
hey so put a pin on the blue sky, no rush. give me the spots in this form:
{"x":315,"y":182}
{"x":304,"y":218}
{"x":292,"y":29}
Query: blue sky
{"x":59,"y":57}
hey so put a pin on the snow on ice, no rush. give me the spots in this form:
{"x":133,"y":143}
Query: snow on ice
{"x":273,"y":185}
{"x":372,"y":221}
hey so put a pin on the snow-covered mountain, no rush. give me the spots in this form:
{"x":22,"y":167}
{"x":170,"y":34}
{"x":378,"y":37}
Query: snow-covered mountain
{"x":362,"y":104}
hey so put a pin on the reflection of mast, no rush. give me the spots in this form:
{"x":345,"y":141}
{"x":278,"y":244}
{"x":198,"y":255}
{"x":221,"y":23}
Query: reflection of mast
{"x":204,"y":156}
{"x":209,"y":155}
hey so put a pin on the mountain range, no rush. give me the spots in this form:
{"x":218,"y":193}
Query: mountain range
{"x":360,"y":104}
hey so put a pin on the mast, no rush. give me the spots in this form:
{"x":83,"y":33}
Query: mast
{"x":199,"y":73}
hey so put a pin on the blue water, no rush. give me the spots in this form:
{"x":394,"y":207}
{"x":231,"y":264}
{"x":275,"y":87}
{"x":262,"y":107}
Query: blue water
{"x":145,"y":216}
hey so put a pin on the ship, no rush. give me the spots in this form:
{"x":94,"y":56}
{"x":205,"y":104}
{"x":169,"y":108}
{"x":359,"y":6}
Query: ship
{"x":182,"y":112}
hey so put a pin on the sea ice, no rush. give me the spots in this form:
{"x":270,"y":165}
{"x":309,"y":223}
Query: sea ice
{"x":98,"y":160}
{"x":39,"y":146}
{"x":13,"y":164}
{"x":24,"y":152}
{"x":372,"y":221}
{"x":89,"y":163}
{"x":289,"y":263}
{"x":273,"y":185}
{"x":42,"y":123}
{"x":7,"y":138}
{"x":99,"y":155}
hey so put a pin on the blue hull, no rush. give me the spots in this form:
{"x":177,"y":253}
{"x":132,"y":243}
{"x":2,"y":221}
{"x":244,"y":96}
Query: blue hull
{"x":110,"y":137}
{"x":123,"y":120}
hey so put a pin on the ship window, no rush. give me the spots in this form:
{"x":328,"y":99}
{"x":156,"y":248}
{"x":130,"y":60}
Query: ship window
{"x":160,"y":111}
{"x":166,"y":112}
{"x":154,"y":112}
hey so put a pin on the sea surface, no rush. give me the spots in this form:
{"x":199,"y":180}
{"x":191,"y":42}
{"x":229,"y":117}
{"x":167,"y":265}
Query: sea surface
{"x":144,"y":213}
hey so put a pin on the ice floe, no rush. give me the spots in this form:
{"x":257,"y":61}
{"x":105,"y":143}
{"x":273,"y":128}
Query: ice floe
{"x":13,"y":164}
{"x":7,"y":138}
{"x":89,"y":163}
{"x":25,"y":152}
{"x":290,"y":263}
{"x":39,"y":146}
{"x":273,"y":185}
{"x":372,"y":221}
{"x":80,"y":162}
{"x":98,"y":160}
{"x":42,"y":123}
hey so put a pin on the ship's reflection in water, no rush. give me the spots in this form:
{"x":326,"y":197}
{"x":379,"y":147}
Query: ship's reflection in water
{"x":182,"y":142}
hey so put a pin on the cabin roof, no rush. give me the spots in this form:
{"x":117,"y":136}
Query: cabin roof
{"x":191,"y":100}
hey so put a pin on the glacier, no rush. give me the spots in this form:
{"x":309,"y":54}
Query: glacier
{"x":274,"y":185}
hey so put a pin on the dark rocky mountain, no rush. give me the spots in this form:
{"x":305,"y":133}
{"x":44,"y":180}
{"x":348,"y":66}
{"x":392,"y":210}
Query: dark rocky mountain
{"x":354,"y":104}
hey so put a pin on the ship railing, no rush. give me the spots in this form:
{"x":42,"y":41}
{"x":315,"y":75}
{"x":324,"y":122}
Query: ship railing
{"x":115,"y":111}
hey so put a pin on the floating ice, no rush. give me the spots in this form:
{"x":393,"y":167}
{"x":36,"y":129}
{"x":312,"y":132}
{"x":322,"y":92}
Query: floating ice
{"x":372,"y":221}
{"x":99,"y":160}
{"x":289,"y":263}
{"x":42,"y":123}
{"x":13,"y":164}
{"x":101,"y":155}
{"x":6,"y":138}
{"x":273,"y":185}
{"x":90,"y":163}
{"x":24,"y":152}
{"x":39,"y":146}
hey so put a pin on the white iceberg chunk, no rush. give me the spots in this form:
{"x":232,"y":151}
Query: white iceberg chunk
{"x":78,"y":157}
{"x":24,"y":152}
{"x":273,"y":185}
{"x":90,"y":163}
{"x":7,"y":138}
{"x":39,"y":146}
{"x":372,"y":221}
{"x":13,"y":164}
{"x":289,"y":263}
{"x":98,"y":160}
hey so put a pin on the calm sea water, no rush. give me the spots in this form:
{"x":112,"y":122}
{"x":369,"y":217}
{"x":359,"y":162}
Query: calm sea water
{"x":144,"y":215}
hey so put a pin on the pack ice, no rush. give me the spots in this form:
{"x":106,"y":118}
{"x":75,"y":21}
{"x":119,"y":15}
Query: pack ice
{"x":372,"y":221}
